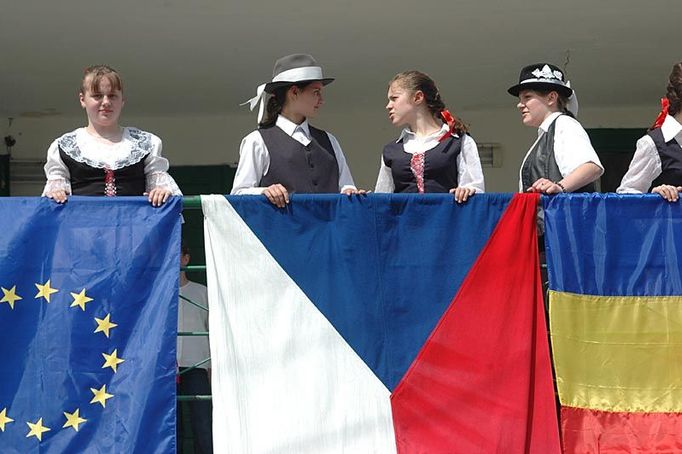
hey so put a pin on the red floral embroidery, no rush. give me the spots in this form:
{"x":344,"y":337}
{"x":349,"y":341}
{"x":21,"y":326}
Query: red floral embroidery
{"x":417,"y":167}
{"x":109,"y":183}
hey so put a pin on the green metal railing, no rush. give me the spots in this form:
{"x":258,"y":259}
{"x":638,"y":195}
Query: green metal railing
{"x":193,"y":203}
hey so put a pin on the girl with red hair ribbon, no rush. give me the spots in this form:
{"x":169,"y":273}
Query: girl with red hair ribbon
{"x":657,"y":163}
{"x":434,"y":153}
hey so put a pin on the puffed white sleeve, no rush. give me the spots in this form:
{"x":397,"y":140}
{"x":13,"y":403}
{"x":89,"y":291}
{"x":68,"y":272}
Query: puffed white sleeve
{"x":56,"y":172}
{"x":572,"y":146}
{"x":345,"y":178}
{"x":254,"y":162}
{"x":385,"y":181}
{"x":156,"y":170}
{"x":644,"y":168}
{"x":469,"y":171}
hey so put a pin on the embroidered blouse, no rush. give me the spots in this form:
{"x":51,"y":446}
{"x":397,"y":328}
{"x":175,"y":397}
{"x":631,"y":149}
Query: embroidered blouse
{"x":135,"y":146}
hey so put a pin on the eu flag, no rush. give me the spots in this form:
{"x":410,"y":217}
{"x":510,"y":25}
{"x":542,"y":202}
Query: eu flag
{"x":88,"y":309}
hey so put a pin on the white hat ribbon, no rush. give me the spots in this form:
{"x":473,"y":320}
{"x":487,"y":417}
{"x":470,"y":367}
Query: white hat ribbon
{"x":572,"y":105}
{"x":259,"y":98}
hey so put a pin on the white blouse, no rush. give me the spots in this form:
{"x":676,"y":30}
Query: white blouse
{"x":134,"y":146}
{"x":469,"y":171}
{"x":572,"y":146}
{"x":645,"y":166}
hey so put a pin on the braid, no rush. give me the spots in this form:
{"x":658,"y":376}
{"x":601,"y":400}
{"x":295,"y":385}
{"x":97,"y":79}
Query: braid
{"x":674,"y":91}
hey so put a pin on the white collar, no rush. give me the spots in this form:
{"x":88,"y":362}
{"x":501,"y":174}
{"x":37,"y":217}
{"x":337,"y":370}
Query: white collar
{"x":544,"y":126}
{"x":407,"y":133}
{"x":670,"y":128}
{"x":290,"y":127}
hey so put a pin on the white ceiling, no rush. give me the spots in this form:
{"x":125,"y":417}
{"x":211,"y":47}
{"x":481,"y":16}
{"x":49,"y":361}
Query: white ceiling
{"x":206,"y":56}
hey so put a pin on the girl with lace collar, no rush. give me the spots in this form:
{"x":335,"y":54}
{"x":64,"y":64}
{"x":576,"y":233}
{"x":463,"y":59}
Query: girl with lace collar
{"x":434,"y":153}
{"x":104,"y":158}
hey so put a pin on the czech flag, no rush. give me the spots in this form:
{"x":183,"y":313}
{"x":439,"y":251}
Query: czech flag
{"x":615,"y":273}
{"x":378,"y":324}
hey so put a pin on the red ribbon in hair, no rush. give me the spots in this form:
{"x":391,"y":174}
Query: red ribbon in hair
{"x":450,"y":121}
{"x":665,"y":105}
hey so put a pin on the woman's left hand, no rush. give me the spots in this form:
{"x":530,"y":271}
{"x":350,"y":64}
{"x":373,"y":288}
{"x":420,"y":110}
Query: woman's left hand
{"x":462,"y":194}
{"x":668,"y":192}
{"x":158,"y":196}
{"x":545,"y":186}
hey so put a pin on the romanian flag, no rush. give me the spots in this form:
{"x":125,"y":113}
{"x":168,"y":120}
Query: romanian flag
{"x":378,"y":324}
{"x":88,"y":320}
{"x":615,"y":273}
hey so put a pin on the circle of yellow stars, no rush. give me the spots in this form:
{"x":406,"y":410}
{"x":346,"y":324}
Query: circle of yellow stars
{"x":111,"y":360}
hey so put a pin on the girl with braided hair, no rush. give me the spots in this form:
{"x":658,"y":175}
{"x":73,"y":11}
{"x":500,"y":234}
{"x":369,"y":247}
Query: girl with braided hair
{"x":434,"y":152}
{"x":657,"y":163}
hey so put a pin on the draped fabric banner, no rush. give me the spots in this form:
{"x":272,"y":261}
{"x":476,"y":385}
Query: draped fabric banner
{"x":88,"y":313}
{"x":615,"y":275}
{"x":378,"y":324}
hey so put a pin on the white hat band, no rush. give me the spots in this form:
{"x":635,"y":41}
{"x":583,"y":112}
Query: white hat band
{"x":290,"y":75}
{"x":296,"y":74}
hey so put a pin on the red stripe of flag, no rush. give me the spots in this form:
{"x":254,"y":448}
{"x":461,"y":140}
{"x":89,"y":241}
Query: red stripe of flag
{"x":595,"y":431}
{"x":482,"y":382}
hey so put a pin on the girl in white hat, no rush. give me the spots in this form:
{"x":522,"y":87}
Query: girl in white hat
{"x":657,"y":163}
{"x":286,"y":154}
{"x":562,"y":158}
{"x":434,"y":153}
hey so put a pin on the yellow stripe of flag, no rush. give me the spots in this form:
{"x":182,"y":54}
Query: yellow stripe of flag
{"x":617,"y":353}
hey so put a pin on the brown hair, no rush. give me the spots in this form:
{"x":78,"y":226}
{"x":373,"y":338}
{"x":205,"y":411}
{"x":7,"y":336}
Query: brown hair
{"x":561,"y":100}
{"x":276,"y":103}
{"x":419,"y":81}
{"x":184,"y":249}
{"x":674,"y":92}
{"x":93,"y":76}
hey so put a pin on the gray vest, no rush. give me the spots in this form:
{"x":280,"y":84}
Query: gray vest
{"x":307,"y":169}
{"x":542,"y":164}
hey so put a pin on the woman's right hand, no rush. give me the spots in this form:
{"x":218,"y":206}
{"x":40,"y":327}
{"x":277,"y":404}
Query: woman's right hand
{"x":277,"y":195}
{"x":58,"y":196}
{"x":668,"y":192}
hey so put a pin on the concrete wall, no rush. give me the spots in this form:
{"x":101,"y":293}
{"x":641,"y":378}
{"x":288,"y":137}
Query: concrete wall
{"x":206,"y":139}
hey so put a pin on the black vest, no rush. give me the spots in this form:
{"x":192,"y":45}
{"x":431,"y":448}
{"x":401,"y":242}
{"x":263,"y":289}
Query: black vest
{"x":671,"y":159}
{"x":87,"y":180}
{"x":310,"y":169}
{"x":440,"y":166}
{"x":541,"y":163}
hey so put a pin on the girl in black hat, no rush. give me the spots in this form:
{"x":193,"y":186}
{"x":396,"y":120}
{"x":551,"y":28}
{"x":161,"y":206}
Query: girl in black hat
{"x":286,"y":154}
{"x":562,"y":158}
{"x":434,"y":153}
{"x":105,"y":158}
{"x":657,"y":163}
